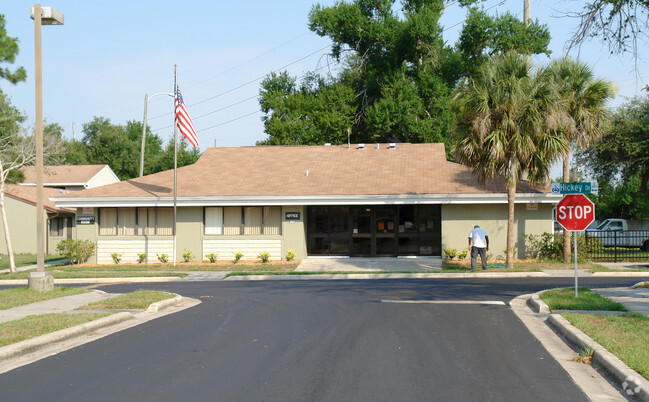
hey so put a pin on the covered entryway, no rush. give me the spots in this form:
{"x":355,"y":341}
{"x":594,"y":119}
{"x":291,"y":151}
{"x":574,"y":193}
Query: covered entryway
{"x":377,"y":230}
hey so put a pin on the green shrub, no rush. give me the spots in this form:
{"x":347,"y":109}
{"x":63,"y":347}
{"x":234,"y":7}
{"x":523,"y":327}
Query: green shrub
{"x":290,"y":254}
{"x":163,"y":258}
{"x":237,"y":256}
{"x":213,"y":256}
{"x":450,"y":253}
{"x":77,"y":251}
{"x":549,"y":246}
{"x":141,"y":257}
{"x":264,"y":256}
{"x":117,"y":257}
{"x":187,"y":256}
{"x":462,"y":254}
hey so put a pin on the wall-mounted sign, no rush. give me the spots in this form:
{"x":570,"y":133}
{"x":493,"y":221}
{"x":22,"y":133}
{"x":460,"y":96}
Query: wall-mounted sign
{"x":291,"y":216}
{"x":85,"y":220}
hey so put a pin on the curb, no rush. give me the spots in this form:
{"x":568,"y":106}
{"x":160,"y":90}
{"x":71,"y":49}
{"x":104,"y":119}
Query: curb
{"x":28,"y":345}
{"x":633,"y":383}
{"x":360,"y":275}
{"x":163,"y":304}
{"x":138,"y":279}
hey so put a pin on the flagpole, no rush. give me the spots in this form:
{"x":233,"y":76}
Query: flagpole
{"x":175,"y":158}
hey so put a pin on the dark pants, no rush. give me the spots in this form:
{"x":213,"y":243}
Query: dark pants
{"x":474,"y":257}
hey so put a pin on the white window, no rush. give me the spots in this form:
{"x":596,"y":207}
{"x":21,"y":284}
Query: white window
{"x":232,"y":220}
{"x":252,"y":221}
{"x":272,"y":220}
{"x":126,"y":221}
{"x":213,"y":221}
{"x":135,"y":221}
{"x":108,"y":222}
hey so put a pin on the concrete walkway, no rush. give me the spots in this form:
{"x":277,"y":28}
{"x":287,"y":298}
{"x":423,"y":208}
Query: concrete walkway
{"x":66,"y":304}
{"x":634,"y":299}
{"x":28,"y":267}
{"x":358,"y":264}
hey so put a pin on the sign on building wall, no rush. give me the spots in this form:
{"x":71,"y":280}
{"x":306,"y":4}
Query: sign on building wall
{"x":85,"y":220}
{"x":291,"y":216}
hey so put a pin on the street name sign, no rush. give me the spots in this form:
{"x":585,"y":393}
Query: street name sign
{"x":586,"y":187}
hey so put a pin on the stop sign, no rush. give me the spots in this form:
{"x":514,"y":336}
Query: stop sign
{"x":575,"y":212}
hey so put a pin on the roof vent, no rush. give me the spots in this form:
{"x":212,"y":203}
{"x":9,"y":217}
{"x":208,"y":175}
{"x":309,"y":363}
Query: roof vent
{"x":361,"y":146}
{"x":378,"y":146}
{"x":327,"y":144}
{"x":393,"y":145}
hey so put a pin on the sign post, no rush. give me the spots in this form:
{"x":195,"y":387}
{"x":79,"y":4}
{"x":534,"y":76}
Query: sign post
{"x":575,"y":212}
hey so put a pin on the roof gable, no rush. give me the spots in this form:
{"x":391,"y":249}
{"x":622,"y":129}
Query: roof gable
{"x":64,"y":174}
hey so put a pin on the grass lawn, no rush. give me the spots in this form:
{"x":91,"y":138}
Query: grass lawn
{"x":24,"y":259}
{"x":623,"y":335}
{"x":64,"y":274}
{"x":140,"y":299}
{"x":20,"y":296}
{"x":564,"y":299}
{"x":36,"y":325}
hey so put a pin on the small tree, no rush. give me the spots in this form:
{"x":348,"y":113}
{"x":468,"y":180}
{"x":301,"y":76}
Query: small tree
{"x":17,"y":149}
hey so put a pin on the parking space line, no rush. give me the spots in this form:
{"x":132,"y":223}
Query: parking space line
{"x":488,"y":302}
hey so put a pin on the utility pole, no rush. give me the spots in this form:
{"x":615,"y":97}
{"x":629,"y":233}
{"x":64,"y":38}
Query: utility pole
{"x":74,"y":137}
{"x":526,"y":12}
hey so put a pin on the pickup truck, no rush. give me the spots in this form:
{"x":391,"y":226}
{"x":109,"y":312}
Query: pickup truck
{"x":615,"y":232}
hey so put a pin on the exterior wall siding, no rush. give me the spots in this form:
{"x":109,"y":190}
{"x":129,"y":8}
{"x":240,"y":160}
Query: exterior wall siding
{"x":102,"y":178}
{"x":131,"y":246}
{"x":226,"y":246}
{"x":21,"y":219}
{"x":459,"y":220}
{"x":294,"y":233}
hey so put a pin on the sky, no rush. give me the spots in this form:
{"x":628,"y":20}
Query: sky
{"x":109,"y":54}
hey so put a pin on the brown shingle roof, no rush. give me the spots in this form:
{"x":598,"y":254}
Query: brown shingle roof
{"x":332,"y":170}
{"x":28,"y":194}
{"x":63,"y":174}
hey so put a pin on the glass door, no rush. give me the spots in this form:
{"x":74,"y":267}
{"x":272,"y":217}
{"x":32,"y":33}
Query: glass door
{"x":384,"y":231}
{"x":361,"y":223}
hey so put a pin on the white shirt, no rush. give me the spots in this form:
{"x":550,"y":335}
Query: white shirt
{"x":477,"y":236}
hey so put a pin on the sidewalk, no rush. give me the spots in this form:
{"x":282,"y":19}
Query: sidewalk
{"x":34,"y":266}
{"x":634,"y":299}
{"x":66,"y":304}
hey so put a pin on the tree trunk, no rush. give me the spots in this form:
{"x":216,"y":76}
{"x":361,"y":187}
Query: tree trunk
{"x":566,"y":233}
{"x":5,"y":225}
{"x":511,"y":197}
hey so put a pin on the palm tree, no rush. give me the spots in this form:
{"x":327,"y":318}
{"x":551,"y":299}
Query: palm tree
{"x":504,"y":113}
{"x":584,"y":117}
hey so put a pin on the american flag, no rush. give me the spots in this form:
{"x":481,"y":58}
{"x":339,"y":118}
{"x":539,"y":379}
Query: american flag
{"x":183,"y":121}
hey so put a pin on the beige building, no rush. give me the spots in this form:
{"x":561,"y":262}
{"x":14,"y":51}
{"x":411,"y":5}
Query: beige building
{"x":20,"y":204}
{"x":365,"y":200}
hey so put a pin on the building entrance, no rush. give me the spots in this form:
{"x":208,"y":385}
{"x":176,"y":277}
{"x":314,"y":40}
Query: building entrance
{"x":369,"y":231}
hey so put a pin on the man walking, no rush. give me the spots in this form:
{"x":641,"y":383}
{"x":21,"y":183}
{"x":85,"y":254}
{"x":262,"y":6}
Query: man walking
{"x":479,"y":243}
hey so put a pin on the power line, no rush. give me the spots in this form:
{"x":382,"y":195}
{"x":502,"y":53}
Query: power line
{"x":246,"y":83}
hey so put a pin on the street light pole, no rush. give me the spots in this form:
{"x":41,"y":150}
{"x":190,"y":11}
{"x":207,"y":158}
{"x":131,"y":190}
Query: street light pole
{"x":38,"y":74}
{"x":146,"y":103}
{"x":41,"y":16}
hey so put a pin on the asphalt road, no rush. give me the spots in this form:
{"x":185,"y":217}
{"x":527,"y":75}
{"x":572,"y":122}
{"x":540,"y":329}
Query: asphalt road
{"x":315,"y":340}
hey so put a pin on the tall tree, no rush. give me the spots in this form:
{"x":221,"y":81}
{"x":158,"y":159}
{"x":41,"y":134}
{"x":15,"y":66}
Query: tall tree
{"x":623,"y":154}
{"x":504,"y":112}
{"x":396,"y":75}
{"x":621,"y":24}
{"x":584,"y":113}
{"x":119,"y":147}
{"x":17,"y":149}
{"x":8,"y":52}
